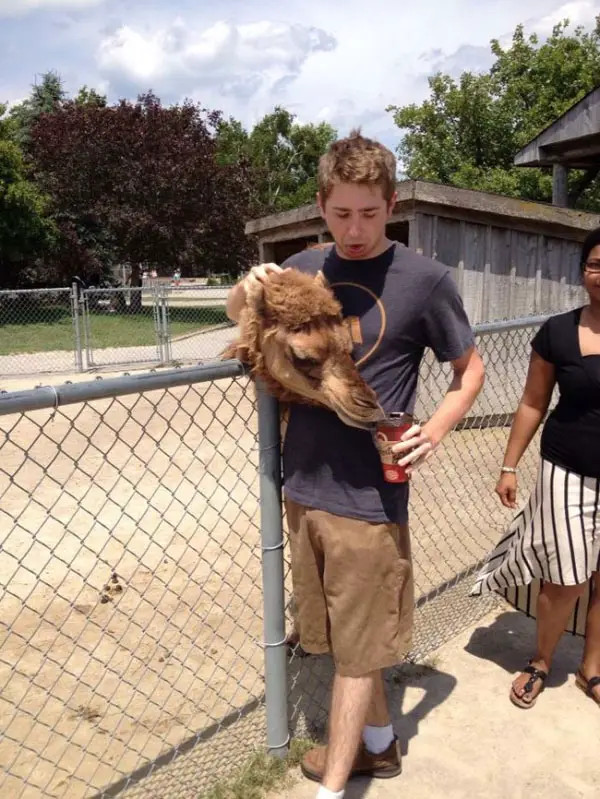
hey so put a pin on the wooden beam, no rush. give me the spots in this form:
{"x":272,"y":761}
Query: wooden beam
{"x":560,"y":185}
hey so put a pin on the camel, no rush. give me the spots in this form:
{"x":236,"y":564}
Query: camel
{"x":293,"y":337}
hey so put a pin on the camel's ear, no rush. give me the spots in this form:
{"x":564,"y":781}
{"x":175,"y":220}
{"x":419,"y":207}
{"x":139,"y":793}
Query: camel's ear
{"x":321,"y":280}
{"x":255,"y":296}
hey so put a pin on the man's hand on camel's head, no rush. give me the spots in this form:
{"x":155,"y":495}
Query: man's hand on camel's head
{"x":260,"y":273}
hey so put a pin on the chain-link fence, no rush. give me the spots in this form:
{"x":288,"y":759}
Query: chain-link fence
{"x":37,"y":332}
{"x":81,"y":329}
{"x":122,"y":327}
{"x":146,"y":588}
{"x":196,"y":326}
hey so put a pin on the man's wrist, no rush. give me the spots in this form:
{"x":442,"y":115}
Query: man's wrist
{"x":433,"y":433}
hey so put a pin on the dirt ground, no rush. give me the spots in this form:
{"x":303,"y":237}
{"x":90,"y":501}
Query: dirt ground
{"x":131,"y":618}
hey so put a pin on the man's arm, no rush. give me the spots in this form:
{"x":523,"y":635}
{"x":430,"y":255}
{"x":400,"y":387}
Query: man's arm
{"x":467,"y":381}
{"x":236,"y":299}
{"x":420,"y":441}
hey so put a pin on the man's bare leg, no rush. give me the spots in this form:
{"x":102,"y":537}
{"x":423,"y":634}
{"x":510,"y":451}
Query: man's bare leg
{"x":350,"y":703}
{"x":378,"y":714}
{"x":378,"y":733}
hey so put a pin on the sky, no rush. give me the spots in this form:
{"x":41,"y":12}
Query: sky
{"x":342,"y":61}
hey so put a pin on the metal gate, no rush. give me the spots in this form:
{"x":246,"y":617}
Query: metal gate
{"x":127,"y":327}
{"x":141,"y":341}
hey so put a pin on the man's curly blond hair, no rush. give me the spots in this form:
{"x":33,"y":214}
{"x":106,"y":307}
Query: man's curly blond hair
{"x":357,"y":159}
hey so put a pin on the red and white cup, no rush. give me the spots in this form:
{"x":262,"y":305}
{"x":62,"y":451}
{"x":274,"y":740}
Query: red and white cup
{"x":389,"y":432}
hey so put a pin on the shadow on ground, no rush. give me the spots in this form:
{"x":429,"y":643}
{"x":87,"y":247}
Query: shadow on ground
{"x":310,"y":693}
{"x":509,"y":642}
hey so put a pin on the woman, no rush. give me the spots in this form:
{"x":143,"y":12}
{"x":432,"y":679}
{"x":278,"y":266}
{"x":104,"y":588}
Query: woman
{"x":547,"y":565}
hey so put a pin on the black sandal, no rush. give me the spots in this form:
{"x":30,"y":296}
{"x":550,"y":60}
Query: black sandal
{"x":587,"y":686}
{"x":536,"y":674}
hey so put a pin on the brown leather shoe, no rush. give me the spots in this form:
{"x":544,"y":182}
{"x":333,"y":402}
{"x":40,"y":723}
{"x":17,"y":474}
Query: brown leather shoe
{"x":366,"y":764}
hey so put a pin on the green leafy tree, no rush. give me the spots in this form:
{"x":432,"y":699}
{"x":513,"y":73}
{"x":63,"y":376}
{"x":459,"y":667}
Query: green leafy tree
{"x":45,"y":97}
{"x":26,"y":231}
{"x":283,"y":156}
{"x":468,"y":130}
{"x":91,"y":97}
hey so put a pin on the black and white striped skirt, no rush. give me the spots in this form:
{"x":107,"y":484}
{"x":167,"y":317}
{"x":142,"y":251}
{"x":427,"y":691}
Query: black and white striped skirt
{"x":555,"y":538}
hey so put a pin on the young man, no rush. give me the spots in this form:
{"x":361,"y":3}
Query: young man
{"x":348,"y":528}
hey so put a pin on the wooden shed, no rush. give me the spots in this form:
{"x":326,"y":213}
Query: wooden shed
{"x":511,"y":258}
{"x":571,"y":142}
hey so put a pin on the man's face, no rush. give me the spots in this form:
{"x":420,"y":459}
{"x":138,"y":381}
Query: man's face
{"x":356,"y":217}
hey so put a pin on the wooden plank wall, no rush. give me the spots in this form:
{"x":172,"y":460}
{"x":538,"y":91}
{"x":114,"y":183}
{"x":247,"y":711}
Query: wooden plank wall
{"x":503,"y":273}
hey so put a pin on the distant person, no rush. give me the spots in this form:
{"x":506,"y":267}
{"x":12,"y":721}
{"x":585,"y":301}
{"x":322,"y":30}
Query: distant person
{"x":547,"y":564}
{"x":348,"y":528}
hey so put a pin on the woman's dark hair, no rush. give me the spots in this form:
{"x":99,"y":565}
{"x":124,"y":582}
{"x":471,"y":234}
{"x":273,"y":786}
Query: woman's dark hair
{"x":591,"y":240}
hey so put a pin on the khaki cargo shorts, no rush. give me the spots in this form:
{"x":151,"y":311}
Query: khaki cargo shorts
{"x":353,"y":588}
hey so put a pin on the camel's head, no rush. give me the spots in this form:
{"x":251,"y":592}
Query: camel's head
{"x":293,"y":336}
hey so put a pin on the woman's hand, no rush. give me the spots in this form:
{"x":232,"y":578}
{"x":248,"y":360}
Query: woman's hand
{"x":506,"y":488}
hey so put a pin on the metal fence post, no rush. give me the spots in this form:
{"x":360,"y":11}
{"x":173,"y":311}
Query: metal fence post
{"x":77,"y":326}
{"x":85,"y":305}
{"x":271,"y":528}
{"x":166,"y":334}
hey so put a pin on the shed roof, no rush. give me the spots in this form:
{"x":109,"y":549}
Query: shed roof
{"x":418,"y":193}
{"x":572,"y":140}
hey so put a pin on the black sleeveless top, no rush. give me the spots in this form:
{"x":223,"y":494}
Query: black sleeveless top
{"x":571,"y":434}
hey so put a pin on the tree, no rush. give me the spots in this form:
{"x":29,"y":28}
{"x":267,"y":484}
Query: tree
{"x":468,"y":131}
{"x":25,"y":229}
{"x":87,"y":96}
{"x":284,"y":157}
{"x":46,"y":96}
{"x":139,"y":184}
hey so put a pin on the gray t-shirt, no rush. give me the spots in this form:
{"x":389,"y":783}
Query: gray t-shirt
{"x":396,"y":305}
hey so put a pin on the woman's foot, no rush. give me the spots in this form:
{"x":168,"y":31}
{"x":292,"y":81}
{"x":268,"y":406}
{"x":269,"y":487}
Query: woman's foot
{"x":529,"y":684}
{"x":589,"y":681}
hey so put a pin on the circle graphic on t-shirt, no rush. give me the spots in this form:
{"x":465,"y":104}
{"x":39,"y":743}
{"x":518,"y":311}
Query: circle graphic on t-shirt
{"x":364,"y":315}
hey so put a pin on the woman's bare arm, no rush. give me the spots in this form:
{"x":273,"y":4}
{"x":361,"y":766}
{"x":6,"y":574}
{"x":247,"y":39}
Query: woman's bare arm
{"x":541,"y":377}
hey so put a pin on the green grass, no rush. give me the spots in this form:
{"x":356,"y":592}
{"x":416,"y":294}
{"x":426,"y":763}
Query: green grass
{"x":259,"y":775}
{"x":52,"y":329}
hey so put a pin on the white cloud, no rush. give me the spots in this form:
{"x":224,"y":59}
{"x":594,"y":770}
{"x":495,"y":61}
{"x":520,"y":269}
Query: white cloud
{"x":243,"y":58}
{"x":233,"y":59}
{"x":11,"y":8}
{"x":469,"y":57}
{"x":580,"y":12}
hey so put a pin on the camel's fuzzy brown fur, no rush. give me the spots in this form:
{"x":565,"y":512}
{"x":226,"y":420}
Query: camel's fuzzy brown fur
{"x":293,"y":337}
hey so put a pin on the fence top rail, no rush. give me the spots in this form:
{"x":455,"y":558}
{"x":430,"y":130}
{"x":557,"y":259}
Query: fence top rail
{"x":59,"y":290}
{"x":112,"y":289}
{"x":509,"y":324}
{"x":43,"y":397}
{"x":152,"y":287}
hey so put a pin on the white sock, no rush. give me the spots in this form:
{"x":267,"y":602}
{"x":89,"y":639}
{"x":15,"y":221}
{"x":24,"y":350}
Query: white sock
{"x":377,"y":739}
{"x":325,"y":793}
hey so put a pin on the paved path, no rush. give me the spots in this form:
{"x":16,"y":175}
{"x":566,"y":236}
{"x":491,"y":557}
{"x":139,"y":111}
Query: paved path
{"x":463,"y":739}
{"x":189,"y":349}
